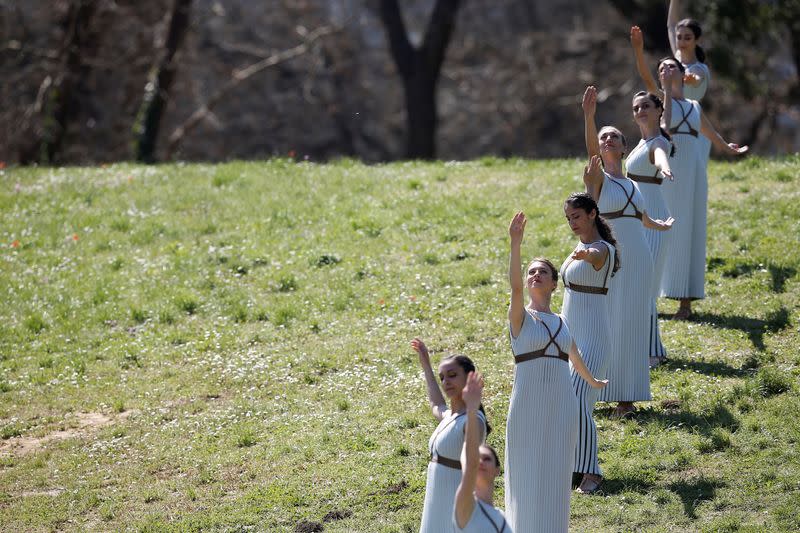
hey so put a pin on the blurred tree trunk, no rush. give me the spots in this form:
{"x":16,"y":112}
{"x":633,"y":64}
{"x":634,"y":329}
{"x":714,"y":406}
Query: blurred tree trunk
{"x":55,"y":104}
{"x":158,"y":87}
{"x":420,"y":68}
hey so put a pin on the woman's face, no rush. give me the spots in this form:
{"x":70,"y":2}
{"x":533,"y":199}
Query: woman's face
{"x":611,"y":142}
{"x":645,"y":111}
{"x":487,"y":468}
{"x":669,"y":66}
{"x":580,"y":222}
{"x":686,"y":39}
{"x":453,"y":378}
{"x":540,"y":277}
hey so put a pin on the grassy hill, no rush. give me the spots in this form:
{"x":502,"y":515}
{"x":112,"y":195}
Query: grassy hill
{"x":225,"y":347}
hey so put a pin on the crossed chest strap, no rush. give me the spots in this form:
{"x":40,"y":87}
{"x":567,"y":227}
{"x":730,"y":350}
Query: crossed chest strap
{"x":684,"y":120}
{"x":620,"y":213}
{"x":529,"y":356}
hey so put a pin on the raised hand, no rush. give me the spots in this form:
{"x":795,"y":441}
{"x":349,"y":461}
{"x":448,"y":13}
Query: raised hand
{"x":589,"y":102}
{"x":473,"y":390}
{"x":422,"y":351}
{"x":637,"y":40}
{"x":593,"y":172}
{"x":517,"y":227}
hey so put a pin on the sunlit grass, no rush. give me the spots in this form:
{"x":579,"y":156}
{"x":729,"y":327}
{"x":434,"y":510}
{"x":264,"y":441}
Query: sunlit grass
{"x":245,"y":328}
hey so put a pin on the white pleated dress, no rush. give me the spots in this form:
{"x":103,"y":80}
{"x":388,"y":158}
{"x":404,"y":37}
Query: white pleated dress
{"x":687,"y":201}
{"x":442,"y":482}
{"x":485,"y":519}
{"x":586,"y":309}
{"x":641,"y":169}
{"x":541,"y":430}
{"x":621,"y":204}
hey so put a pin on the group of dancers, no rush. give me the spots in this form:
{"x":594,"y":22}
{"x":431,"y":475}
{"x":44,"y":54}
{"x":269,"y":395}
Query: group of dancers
{"x":641,"y":235}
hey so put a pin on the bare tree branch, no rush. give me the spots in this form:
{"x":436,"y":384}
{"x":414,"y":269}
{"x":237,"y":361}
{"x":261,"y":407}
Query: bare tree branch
{"x":237,"y":78}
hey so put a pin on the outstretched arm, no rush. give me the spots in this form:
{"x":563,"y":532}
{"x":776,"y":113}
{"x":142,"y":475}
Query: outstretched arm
{"x":465,"y":500}
{"x":655,"y":223}
{"x":707,"y":129}
{"x":580,"y":367}
{"x":672,"y":21}
{"x":594,"y":256}
{"x":637,"y":42}
{"x":589,"y":105}
{"x":435,"y":396}
{"x":516,"y":310}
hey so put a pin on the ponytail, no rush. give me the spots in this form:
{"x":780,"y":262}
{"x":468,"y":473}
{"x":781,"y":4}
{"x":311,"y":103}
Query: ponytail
{"x":700,"y":54}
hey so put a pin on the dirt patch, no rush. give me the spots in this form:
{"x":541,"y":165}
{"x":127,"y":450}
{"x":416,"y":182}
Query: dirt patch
{"x":84,"y":425}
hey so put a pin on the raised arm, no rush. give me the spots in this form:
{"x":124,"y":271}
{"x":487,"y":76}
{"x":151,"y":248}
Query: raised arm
{"x":435,"y":396}
{"x":666,"y":83}
{"x":516,"y":310}
{"x":465,"y":499}
{"x":593,"y":177}
{"x":580,"y":367}
{"x":660,"y":150}
{"x":672,"y":21}
{"x":637,"y":42}
{"x":707,"y":129}
{"x":589,"y":105}
{"x":594,"y":256}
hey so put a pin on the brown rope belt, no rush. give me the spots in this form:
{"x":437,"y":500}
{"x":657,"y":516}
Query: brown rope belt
{"x":644,"y":179}
{"x":692,"y":132}
{"x":445,"y":461}
{"x":619,"y":214}
{"x":530,"y":356}
{"x":587,"y":288}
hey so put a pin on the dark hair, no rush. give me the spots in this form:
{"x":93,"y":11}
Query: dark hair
{"x":549,"y":264}
{"x":494,"y":453}
{"x":659,"y":105}
{"x":468,"y":366}
{"x":698,"y":31}
{"x":582,"y":200}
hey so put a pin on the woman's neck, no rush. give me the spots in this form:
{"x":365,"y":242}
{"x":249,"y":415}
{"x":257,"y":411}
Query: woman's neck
{"x":457,"y":405}
{"x":613,"y":167}
{"x":590,"y":236}
{"x":651,"y":131}
{"x":484,"y":492}
{"x":677,"y":92}
{"x":540,"y":303}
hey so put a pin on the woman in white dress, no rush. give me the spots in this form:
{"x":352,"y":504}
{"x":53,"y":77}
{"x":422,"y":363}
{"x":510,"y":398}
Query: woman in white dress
{"x":473,"y":511}
{"x":687,"y":197}
{"x":648,"y":165}
{"x":447,"y":441}
{"x":542,"y":424}
{"x":587,"y":274}
{"x":621,"y":203}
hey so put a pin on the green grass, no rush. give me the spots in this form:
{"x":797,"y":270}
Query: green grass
{"x":245,"y":327}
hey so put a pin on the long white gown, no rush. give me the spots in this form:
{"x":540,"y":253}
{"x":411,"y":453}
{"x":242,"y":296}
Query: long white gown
{"x":687,"y":200}
{"x":442,"y":482}
{"x":641,"y":169}
{"x":621,"y":204}
{"x":485,"y":519}
{"x":542,"y":428}
{"x":586,"y":309}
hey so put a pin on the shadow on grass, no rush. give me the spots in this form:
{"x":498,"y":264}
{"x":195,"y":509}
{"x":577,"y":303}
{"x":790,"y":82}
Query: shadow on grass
{"x":618,"y":485}
{"x":709,"y":368}
{"x":731,"y":268}
{"x":755,"y":328}
{"x":693,"y":492}
{"x":719,"y":417}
